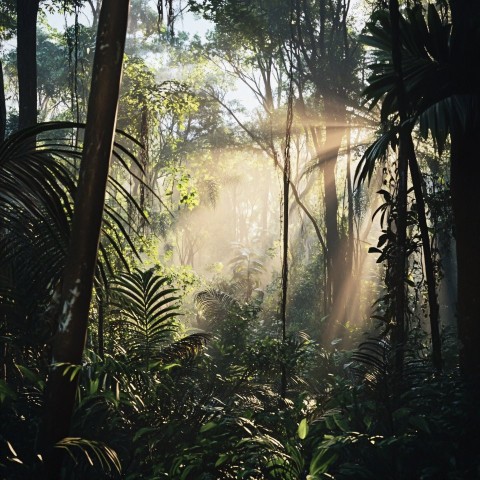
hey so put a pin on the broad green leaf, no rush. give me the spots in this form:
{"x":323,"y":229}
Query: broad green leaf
{"x":222,"y":459}
{"x":208,"y":426}
{"x":303,"y":429}
{"x":321,"y":461}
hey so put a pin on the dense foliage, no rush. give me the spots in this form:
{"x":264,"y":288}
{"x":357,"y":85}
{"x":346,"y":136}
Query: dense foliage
{"x":286,"y":271}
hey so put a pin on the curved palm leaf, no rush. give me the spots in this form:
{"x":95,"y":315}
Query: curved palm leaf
{"x":215,"y":304}
{"x":373,"y":362}
{"x":425,"y":55}
{"x":149,"y":307}
{"x":436,"y":88}
{"x":373,"y":365}
{"x":38,"y":176}
{"x":88,"y":453}
{"x":247,"y":269}
{"x":376,"y":151}
{"x":186,"y":348}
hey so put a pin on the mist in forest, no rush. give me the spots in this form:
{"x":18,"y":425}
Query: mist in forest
{"x":239,"y":239}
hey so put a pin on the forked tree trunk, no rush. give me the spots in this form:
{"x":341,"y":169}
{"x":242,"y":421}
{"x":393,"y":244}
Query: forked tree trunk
{"x":77,"y":282}
{"x":27,"y":11}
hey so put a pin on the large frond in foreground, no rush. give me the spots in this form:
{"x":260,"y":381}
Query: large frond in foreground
{"x":38,"y":178}
{"x":148,"y":308}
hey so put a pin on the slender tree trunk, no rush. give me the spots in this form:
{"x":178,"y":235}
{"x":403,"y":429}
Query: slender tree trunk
{"x":3,"y":107}
{"x":77,"y":283}
{"x":399,"y":332}
{"x":427,"y":255}
{"x":350,"y":295}
{"x":27,"y":11}
{"x":283,"y":307}
{"x":144,"y":162}
{"x":286,"y":210}
{"x":351,"y":213}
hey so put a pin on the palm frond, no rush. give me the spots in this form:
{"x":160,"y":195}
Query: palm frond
{"x":215,"y":304}
{"x":38,"y":177}
{"x":185,"y":349}
{"x":375,"y":153}
{"x":91,"y":452}
{"x":426,"y":66}
{"x":373,"y":366}
{"x":148,"y":307}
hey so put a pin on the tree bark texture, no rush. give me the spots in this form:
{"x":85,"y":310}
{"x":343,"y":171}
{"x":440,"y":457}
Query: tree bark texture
{"x":427,"y":255}
{"x":3,"y":107}
{"x":27,"y":12}
{"x":286,"y":210}
{"x":317,"y":35}
{"x":466,"y":212}
{"x":283,"y":306}
{"x":335,"y":113}
{"x":399,"y":331}
{"x":331,"y":208}
{"x":464,"y":181}
{"x":69,"y":341}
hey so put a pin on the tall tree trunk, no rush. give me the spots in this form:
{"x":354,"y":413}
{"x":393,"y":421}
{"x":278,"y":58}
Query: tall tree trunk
{"x":350,"y":295}
{"x":77,"y":282}
{"x":3,"y":107}
{"x":283,"y":306}
{"x":466,"y":213}
{"x":427,"y":255}
{"x":286,"y":209}
{"x":3,"y":124}
{"x":27,"y":11}
{"x":335,"y":130}
{"x":349,"y":258}
{"x":464,"y":184}
{"x":144,"y":163}
{"x":399,"y":331}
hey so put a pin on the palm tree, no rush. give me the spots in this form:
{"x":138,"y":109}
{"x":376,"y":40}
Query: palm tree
{"x":441,"y":75}
{"x":247,"y":269}
{"x":37,"y":184}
